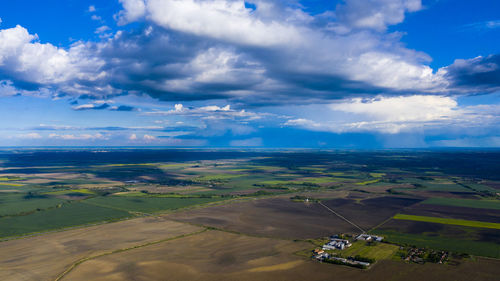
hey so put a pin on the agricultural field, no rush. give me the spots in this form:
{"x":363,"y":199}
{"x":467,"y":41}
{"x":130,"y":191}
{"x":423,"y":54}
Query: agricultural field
{"x":375,"y":251}
{"x":213,"y":255}
{"x":470,"y":203}
{"x":469,"y":223}
{"x":245,"y":213}
{"x":268,"y":217}
{"x":56,"y":218}
{"x":47,"y":256}
{"x":443,"y":242}
{"x":12,"y":203}
{"x":147,"y":204}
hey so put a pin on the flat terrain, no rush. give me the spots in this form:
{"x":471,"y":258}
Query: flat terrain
{"x":481,"y":204}
{"x":458,"y":239}
{"x":370,"y":212}
{"x":159,"y":214}
{"x":469,"y":223}
{"x":45,"y":257}
{"x":280,"y":217}
{"x":147,"y":204}
{"x":455,"y":212}
{"x":276,"y":217}
{"x":215,"y":255}
{"x":57,"y":218}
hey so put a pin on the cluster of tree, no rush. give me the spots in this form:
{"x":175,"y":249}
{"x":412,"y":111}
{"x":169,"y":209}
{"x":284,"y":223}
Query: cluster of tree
{"x":33,"y":195}
{"x":334,"y":261}
{"x":364,"y":259}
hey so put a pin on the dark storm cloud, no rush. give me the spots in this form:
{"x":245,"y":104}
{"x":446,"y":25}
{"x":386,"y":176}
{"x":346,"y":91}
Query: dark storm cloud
{"x":481,"y":74}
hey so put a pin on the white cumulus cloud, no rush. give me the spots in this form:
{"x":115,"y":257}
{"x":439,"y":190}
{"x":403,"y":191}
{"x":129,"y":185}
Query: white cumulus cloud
{"x":402,"y":108}
{"x":23,"y":57}
{"x":375,"y":14}
{"x":393,"y":115}
{"x":132,"y":11}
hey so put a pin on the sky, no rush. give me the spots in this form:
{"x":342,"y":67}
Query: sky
{"x":356,"y":74}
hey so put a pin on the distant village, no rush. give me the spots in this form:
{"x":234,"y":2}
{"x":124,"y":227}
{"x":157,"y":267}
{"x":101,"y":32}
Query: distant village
{"x":421,"y":255}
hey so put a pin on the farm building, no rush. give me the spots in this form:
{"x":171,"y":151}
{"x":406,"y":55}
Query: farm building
{"x":368,"y":237}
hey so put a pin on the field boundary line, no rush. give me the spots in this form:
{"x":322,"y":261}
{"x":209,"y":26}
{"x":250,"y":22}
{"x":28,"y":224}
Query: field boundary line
{"x":82,"y":260}
{"x":342,"y":217}
{"x":214,"y":228}
{"x":380,"y":224}
{"x":391,"y":217}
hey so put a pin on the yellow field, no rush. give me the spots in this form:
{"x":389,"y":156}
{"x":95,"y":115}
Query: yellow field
{"x":368,"y":182}
{"x":80,"y":190}
{"x":11,"y":184}
{"x":480,"y":224}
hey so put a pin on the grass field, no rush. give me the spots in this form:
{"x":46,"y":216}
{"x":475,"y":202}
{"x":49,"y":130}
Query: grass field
{"x":436,"y":185}
{"x":16,"y":203}
{"x":316,"y":180}
{"x":10,"y":179}
{"x":377,"y":175}
{"x":277,"y":182}
{"x":485,"y":249}
{"x":448,"y":221}
{"x":147,"y":204}
{"x":470,"y":203}
{"x":368,"y":182}
{"x":82,"y":191}
{"x":156,"y":195}
{"x":379,"y":251}
{"x":11,"y":184}
{"x":126,"y":165}
{"x":478,"y":187}
{"x":216,"y":177}
{"x":68,"y":215}
{"x":320,"y":180}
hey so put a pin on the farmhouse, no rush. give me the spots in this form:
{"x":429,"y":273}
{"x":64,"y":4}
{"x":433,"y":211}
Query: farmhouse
{"x":337,"y":243}
{"x":322,"y":256}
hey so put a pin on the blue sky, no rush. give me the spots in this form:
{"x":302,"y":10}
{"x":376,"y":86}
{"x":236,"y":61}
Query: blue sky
{"x":264,"y":73}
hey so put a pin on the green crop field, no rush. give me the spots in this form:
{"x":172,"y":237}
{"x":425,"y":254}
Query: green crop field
{"x":436,"y":184}
{"x":216,"y":177}
{"x":378,"y":251}
{"x":470,"y":203}
{"x":126,"y":165}
{"x":314,"y":169}
{"x":68,"y":215}
{"x":16,"y":203}
{"x":147,"y":204}
{"x":10,"y":179}
{"x":175,"y":166}
{"x":277,"y":182}
{"x":484,"y":249}
{"x":368,"y":182}
{"x":478,"y":187}
{"x":448,"y":221}
{"x":11,"y":184}
{"x":82,"y":191}
{"x":319,"y":180}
